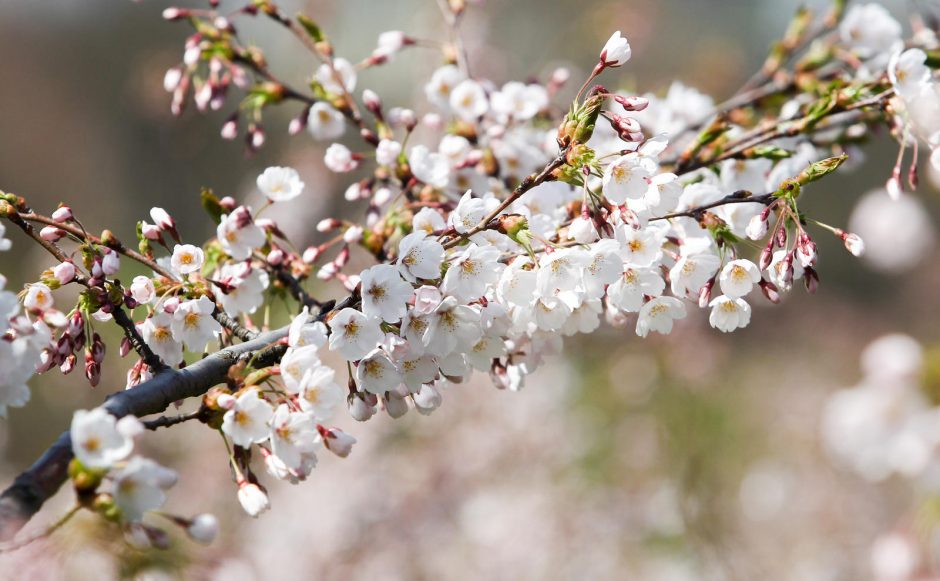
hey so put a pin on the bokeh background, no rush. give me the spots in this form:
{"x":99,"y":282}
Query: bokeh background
{"x":692,"y":456}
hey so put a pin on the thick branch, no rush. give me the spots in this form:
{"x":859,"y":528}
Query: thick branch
{"x":42,"y":480}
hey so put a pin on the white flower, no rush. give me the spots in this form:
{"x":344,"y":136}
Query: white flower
{"x":354,"y":334}
{"x":561,"y":270}
{"x":468,"y":213}
{"x":908,"y":72}
{"x":628,"y":178}
{"x":616,"y":52}
{"x":345,"y":73}
{"x":324,"y":122}
{"x":519,"y":101}
{"x":303,"y":333}
{"x":384,"y":293}
{"x":38,"y":297}
{"x":640,"y":247}
{"x":387,"y":152}
{"x":389,"y":43}
{"x":441,"y":85}
{"x":694,"y":268}
{"x":582,"y":230}
{"x":193,"y":323}
{"x":319,"y":393}
{"x":295,"y":364}
{"x":658,"y":315}
{"x":451,"y":327}
{"x":99,"y":440}
{"x":472,"y":272}
{"x":550,"y":312}
{"x":246,"y":288}
{"x":604,"y":267}
{"x":870,"y":30}
{"x":157,"y":331}
{"x":468,"y":100}
{"x":139,"y":487}
{"x":203,"y":528}
{"x":339,"y":159}
{"x":246,"y":423}
{"x":517,"y":283}
{"x":627,"y":292}
{"x":482,"y":354}
{"x":417,"y":370}
{"x":187,"y":258}
{"x":426,"y":299}
{"x":142,"y":290}
{"x":238,"y":234}
{"x":729,"y":313}
{"x":420,"y":257}
{"x":738,"y":277}
{"x":431,"y":168}
{"x":254,"y":501}
{"x":294,"y":438}
{"x":428,"y":220}
{"x":376,"y":373}
{"x":280,"y":184}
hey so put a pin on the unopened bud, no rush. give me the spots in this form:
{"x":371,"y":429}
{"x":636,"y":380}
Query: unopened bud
{"x":51,"y":234}
{"x":62,"y":214}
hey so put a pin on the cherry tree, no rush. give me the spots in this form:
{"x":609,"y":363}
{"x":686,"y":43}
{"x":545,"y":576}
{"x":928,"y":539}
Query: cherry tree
{"x":498,"y":220}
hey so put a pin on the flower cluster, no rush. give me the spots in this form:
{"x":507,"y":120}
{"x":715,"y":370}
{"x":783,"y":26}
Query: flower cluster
{"x":103,"y":448}
{"x":494,"y":225}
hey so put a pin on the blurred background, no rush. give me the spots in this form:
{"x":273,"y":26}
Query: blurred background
{"x":692,"y":456}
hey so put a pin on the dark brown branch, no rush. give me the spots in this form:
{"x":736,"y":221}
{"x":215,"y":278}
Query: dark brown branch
{"x":167,"y":421}
{"x":42,"y":480}
{"x":137,"y":342}
{"x":739,"y":197}
{"x":232,"y":325}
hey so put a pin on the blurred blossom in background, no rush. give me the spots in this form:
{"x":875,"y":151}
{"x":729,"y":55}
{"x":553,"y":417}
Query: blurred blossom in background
{"x":689,"y":456}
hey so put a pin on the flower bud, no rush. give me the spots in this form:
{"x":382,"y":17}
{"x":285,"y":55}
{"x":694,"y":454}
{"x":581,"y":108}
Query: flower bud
{"x":311,"y":254}
{"x":427,"y":399}
{"x":770,"y":291}
{"x":51,"y":234}
{"x":64,"y":272}
{"x":396,"y":406}
{"x":337,"y":441}
{"x":853,"y":243}
{"x":359,"y":408}
{"x":352,"y":235}
{"x":203,"y":528}
{"x":253,"y":499}
{"x":328,"y":224}
{"x":229,"y":129}
{"x":632,"y":103}
{"x":62,"y":214}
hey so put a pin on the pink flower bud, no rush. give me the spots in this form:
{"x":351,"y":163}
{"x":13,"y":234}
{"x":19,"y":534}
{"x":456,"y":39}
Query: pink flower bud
{"x":203,"y":528}
{"x":62,"y":214}
{"x":811,"y":279}
{"x":230,"y":128}
{"x":228,"y":203}
{"x":770,"y":291}
{"x":150,"y":231}
{"x":298,"y":123}
{"x":311,"y":254}
{"x":68,"y":365}
{"x":632,"y":103}
{"x":328,"y":224}
{"x":352,"y":235}
{"x":51,"y":233}
{"x":853,"y":243}
{"x":174,"y":13}
{"x":253,"y":499}
{"x":337,"y":441}
{"x":276,"y":257}
{"x":359,"y":409}
{"x":64,"y":272}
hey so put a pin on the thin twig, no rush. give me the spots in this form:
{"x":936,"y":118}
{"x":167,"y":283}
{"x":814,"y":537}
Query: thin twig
{"x":527,"y":184}
{"x":167,"y":421}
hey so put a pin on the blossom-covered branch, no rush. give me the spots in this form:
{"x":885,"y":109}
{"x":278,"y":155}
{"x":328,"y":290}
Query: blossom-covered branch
{"x":494,"y":225}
